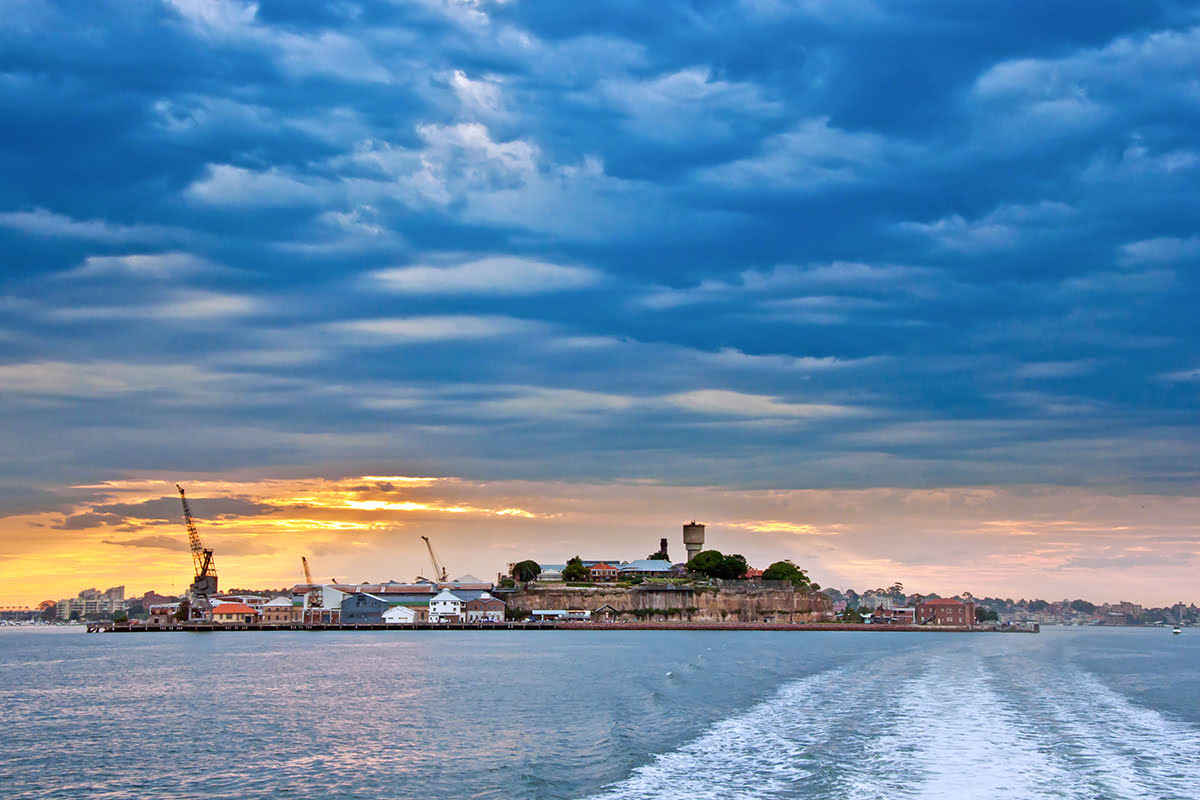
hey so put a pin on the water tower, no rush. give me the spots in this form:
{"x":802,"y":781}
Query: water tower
{"x":693,"y":539}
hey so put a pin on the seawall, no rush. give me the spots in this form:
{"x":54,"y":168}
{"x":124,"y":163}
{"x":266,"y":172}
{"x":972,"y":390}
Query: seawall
{"x":725,"y":601}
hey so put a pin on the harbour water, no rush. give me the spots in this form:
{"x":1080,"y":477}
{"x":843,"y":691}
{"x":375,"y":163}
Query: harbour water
{"x":1069,"y":713}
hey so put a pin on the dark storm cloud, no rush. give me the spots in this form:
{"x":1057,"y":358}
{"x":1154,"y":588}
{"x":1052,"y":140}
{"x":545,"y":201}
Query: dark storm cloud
{"x":153,"y":542}
{"x":168,"y":509}
{"x":758,"y":242}
{"x":79,"y":522}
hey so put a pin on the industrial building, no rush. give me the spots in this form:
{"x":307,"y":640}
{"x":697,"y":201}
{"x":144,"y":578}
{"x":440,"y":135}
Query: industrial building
{"x":362,"y":608}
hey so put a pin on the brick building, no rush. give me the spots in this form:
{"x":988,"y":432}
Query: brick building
{"x":281,"y":611}
{"x":946,"y":611}
{"x":485,"y":608}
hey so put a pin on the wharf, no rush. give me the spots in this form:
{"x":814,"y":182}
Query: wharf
{"x":110,"y":627}
{"x":209,"y":627}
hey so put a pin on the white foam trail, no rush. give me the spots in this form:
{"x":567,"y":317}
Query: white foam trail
{"x":993,"y":722}
{"x":1118,"y":748}
{"x":757,"y":754}
{"x":955,"y":738}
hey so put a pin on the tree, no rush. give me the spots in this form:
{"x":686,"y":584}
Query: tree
{"x":851,"y":615}
{"x":715,"y":564}
{"x":707,"y":562}
{"x":787,"y":571}
{"x":575,"y":570}
{"x":1083,"y":606}
{"x":120,"y":616}
{"x":181,"y":613}
{"x":1038,"y":605}
{"x":734,"y":568}
{"x":985,"y":614}
{"x":658,"y":556}
{"x":526,"y":571}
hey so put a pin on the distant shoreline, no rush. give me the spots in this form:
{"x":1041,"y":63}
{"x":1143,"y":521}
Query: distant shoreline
{"x":559,"y":626}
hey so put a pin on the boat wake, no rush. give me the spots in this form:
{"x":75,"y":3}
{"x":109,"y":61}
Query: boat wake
{"x":953,"y":723}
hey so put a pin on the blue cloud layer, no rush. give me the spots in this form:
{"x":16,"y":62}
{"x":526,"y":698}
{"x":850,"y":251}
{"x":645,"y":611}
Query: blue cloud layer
{"x":772,"y":242}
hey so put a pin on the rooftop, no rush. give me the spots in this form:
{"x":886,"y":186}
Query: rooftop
{"x":233,"y":608}
{"x":647,"y":565}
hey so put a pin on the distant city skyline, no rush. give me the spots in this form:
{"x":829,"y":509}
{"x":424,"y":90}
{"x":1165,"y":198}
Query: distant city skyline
{"x":901,"y":294}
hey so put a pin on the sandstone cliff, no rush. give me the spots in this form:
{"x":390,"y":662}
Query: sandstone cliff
{"x":728,"y":602}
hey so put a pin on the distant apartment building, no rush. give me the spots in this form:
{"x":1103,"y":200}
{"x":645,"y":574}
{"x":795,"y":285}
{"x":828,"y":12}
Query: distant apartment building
{"x":946,"y":611}
{"x":1130,"y":609}
{"x":93,"y":601}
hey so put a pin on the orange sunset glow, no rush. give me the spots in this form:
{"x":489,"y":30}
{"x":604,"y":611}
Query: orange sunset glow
{"x":1004,"y":540}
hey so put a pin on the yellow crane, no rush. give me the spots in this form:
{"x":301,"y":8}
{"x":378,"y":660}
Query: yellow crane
{"x":439,"y":569}
{"x":315,"y":596}
{"x":204,"y":584}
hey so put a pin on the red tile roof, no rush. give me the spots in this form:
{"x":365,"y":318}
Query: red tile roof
{"x":947,"y":601}
{"x":233,"y":608}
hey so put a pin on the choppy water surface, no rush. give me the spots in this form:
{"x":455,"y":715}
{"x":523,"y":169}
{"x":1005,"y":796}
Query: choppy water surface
{"x":1065,"y":714}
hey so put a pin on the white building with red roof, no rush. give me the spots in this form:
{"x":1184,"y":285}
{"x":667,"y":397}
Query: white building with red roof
{"x":236,"y":613}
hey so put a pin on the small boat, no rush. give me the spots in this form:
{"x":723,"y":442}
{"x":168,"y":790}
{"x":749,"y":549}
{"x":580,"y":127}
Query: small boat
{"x":1176,"y":630}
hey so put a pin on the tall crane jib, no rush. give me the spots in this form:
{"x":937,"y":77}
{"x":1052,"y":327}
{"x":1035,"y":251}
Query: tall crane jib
{"x":204,"y":584}
{"x":315,"y":597}
{"x":439,"y":569}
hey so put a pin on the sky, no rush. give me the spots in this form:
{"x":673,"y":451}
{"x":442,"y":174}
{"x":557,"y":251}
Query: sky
{"x":901,"y":291}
